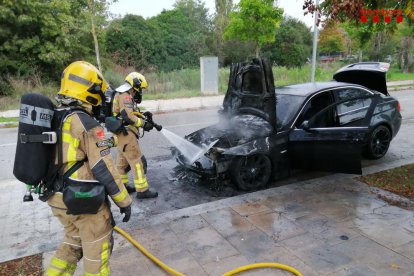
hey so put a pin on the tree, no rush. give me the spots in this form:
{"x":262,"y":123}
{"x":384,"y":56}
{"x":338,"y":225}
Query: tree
{"x":171,"y":40}
{"x":345,"y":10}
{"x":406,"y":47}
{"x":203,"y":27}
{"x":185,"y":33}
{"x":223,"y":9}
{"x":254,"y":20}
{"x":293,"y":44}
{"x":331,"y":40}
{"x":44,"y":36}
{"x":94,"y":5}
{"x":178,"y":38}
{"x":351,"y":10}
{"x":134,"y":41}
{"x":359,"y":36}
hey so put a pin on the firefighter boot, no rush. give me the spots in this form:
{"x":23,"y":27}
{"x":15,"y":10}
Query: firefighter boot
{"x":146,"y":194}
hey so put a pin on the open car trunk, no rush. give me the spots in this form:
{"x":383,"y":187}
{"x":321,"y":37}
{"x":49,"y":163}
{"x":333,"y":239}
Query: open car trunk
{"x":369,"y":74}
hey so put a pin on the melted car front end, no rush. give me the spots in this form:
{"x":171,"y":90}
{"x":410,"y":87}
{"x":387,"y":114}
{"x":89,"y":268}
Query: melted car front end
{"x":241,"y":135}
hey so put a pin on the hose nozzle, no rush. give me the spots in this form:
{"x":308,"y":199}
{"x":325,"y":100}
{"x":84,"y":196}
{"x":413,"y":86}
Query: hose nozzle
{"x":157,"y":127}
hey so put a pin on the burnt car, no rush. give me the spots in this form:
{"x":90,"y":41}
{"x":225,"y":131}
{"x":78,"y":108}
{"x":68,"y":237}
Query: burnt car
{"x":264,"y":132}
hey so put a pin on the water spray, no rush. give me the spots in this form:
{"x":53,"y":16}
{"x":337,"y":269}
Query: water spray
{"x":190,"y":151}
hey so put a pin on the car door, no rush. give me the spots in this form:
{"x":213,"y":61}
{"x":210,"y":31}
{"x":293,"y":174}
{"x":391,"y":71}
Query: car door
{"x":319,"y":142}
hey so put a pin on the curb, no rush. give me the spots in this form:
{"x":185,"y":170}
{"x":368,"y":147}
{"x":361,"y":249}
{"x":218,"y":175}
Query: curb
{"x":400,"y":88}
{"x":9,"y":124}
{"x":183,"y":104}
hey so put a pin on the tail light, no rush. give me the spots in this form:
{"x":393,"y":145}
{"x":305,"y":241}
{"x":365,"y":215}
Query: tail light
{"x":398,"y":106}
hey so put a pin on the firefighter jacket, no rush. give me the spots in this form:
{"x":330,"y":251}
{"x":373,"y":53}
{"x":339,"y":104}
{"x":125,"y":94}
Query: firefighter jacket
{"x":83,"y":139}
{"x":124,"y":106}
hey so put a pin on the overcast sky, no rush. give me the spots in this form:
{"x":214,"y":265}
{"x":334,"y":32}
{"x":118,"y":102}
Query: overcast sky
{"x":147,"y":8}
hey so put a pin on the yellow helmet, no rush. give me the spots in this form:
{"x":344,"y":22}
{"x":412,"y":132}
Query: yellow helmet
{"x":83,"y":81}
{"x":133,"y":80}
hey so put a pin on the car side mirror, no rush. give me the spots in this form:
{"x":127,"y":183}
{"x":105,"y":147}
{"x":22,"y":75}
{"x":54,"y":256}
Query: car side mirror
{"x":305,"y":125}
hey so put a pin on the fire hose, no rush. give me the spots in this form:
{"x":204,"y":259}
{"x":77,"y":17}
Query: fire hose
{"x":177,"y":273}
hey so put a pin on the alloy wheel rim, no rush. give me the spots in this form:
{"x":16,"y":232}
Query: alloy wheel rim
{"x":380,"y":142}
{"x":253,"y":170}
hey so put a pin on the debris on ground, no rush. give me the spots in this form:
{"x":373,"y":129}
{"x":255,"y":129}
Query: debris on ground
{"x":27,"y":266}
{"x":399,"y":181}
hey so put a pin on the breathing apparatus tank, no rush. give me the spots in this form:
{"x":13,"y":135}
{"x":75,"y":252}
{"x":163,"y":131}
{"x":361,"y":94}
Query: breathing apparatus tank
{"x":35,"y":139}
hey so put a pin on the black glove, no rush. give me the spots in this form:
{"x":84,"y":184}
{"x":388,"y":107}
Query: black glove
{"x":127,"y":212}
{"x":148,"y":126}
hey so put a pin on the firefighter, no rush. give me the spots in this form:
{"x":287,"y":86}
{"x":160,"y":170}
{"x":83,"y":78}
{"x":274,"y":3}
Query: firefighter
{"x":88,"y":228}
{"x":129,"y":152}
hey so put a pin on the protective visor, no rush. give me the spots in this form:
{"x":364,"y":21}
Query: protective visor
{"x":124,"y":87}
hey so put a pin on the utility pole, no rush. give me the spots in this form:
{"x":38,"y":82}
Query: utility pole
{"x":315,"y":40}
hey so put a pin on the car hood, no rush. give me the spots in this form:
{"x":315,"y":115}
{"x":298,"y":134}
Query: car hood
{"x":251,"y":91}
{"x":369,"y":74}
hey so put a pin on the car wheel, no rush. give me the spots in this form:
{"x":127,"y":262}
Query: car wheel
{"x":378,"y":143}
{"x":251,"y":172}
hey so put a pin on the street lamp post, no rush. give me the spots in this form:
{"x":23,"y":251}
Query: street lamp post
{"x":315,"y":41}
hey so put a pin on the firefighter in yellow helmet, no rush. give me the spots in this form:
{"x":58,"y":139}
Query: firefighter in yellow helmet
{"x":129,"y":152}
{"x":80,"y":201}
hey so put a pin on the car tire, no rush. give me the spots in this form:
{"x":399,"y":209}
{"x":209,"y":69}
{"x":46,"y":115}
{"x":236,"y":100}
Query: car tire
{"x":251,"y":172}
{"x":378,"y":143}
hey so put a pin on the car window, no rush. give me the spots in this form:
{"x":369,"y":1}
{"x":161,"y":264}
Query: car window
{"x":353,"y":111}
{"x":312,"y":107}
{"x":287,"y":107}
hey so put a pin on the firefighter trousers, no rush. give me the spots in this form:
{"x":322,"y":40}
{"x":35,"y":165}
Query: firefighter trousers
{"x":129,"y":157}
{"x":87,"y":236}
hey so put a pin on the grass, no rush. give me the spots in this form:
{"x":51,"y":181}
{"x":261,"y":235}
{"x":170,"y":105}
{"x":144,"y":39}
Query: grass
{"x":399,"y":180}
{"x":396,"y":75}
{"x":12,"y":119}
{"x":8,"y":122}
{"x":180,"y":83}
{"x":23,"y":86}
